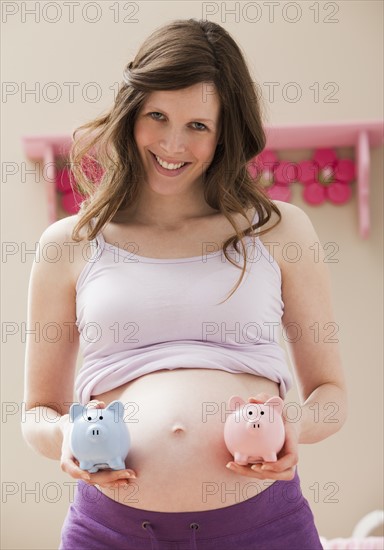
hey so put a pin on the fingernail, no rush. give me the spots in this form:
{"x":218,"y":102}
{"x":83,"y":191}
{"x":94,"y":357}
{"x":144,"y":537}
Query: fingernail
{"x":132,"y":476}
{"x":229,"y":465}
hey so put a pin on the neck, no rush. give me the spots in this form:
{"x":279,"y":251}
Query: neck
{"x":167,"y":212}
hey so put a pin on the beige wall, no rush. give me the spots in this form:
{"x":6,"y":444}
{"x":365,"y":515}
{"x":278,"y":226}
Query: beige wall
{"x":347,"y":52}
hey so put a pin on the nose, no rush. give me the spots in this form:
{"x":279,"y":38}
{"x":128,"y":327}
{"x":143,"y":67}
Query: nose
{"x":173,"y":142}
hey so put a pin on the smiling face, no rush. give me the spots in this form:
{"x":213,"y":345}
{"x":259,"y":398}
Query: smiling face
{"x":179,"y":126}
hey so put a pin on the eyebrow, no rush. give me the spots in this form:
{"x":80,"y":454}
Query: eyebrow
{"x":156,"y":109}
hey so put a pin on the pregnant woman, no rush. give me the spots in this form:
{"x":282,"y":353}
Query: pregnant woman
{"x":175,"y":298}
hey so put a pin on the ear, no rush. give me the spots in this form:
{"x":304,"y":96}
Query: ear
{"x":277,"y":403}
{"x":75,"y":410}
{"x":235,"y":400}
{"x":118,"y":408}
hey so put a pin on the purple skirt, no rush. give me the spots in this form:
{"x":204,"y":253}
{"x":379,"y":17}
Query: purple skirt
{"x":278,"y":518}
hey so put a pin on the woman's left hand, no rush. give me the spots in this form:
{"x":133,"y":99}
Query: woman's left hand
{"x":285,"y":466}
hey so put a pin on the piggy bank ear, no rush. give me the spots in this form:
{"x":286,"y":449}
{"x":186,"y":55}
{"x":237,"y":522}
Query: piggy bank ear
{"x":75,"y":410}
{"x":277,"y":403}
{"x":118,"y":409}
{"x":234,"y":401}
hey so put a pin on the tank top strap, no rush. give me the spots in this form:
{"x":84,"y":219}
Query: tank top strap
{"x":255,"y":217}
{"x":99,"y":238}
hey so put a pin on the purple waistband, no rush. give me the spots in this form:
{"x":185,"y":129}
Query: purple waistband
{"x":279,"y":499}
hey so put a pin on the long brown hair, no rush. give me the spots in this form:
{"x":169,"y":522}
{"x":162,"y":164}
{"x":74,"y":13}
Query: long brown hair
{"x":177,"y":55}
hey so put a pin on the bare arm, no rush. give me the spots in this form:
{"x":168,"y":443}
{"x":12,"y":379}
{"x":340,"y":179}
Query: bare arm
{"x":51,"y":352}
{"x":312,"y":333}
{"x":50,"y":361}
{"x":312,"y":344}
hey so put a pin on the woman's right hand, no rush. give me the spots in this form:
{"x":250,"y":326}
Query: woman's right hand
{"x":69,"y":464}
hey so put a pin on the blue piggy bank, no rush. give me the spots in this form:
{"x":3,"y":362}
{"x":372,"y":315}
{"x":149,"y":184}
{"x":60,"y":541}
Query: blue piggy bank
{"x":100,"y":438}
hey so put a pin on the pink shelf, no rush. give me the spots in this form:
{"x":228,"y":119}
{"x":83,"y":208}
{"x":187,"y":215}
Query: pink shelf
{"x":362,"y":135}
{"x":326,"y":134}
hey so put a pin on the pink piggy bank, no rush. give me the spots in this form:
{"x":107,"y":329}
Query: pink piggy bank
{"x":254,"y":432}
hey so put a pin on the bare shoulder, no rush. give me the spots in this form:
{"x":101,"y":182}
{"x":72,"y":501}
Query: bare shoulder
{"x":292,"y":218}
{"x":292,"y":236}
{"x":57,"y":246}
{"x":291,"y":226}
{"x":60,"y":231}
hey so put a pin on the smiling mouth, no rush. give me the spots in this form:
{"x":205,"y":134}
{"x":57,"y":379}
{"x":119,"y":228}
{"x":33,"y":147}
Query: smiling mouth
{"x":169,"y":163}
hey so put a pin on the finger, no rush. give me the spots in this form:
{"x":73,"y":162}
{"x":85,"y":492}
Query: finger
{"x":70,"y":467}
{"x":112,"y":485}
{"x":289,"y":460}
{"x":112,"y":476}
{"x":244,"y":470}
{"x":259,"y":398}
{"x":255,"y":471}
{"x":248,"y":472}
{"x":286,"y":474}
{"x":95,"y":404}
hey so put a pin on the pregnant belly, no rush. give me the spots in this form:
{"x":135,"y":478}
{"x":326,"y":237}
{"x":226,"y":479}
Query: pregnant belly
{"x":176,"y":421}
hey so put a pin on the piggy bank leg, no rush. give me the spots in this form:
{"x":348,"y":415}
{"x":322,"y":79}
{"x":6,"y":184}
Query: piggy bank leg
{"x":270,"y":457}
{"x":117,"y":464}
{"x":255,"y":460}
{"x":241,"y":459}
{"x":88,"y":465}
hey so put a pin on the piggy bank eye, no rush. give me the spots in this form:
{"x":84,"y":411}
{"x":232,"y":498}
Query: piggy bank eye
{"x":262,"y":412}
{"x":89,"y":417}
{"x":250,"y":413}
{"x":101,"y":418}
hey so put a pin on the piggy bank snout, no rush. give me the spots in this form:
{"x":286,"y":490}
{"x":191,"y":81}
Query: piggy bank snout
{"x":253,"y":425}
{"x":96,"y":433}
{"x":255,"y":418}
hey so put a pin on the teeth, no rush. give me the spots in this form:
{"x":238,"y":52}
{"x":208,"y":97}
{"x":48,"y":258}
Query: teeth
{"x":169,"y":166}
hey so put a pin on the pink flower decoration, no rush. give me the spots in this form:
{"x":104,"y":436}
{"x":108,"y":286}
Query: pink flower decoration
{"x":326,"y":177}
{"x":92,"y":169}
{"x":277,"y":175}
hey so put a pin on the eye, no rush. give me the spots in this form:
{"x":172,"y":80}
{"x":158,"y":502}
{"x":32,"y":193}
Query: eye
{"x":250,"y":413}
{"x":261,"y":412}
{"x":101,"y":418}
{"x":89,"y":417}
{"x":155,"y":113}
{"x":201,"y":124}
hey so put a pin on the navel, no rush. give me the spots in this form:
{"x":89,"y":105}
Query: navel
{"x":178,"y":429}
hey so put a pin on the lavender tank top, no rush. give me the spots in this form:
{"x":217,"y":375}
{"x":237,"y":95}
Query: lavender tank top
{"x":137,"y":315}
